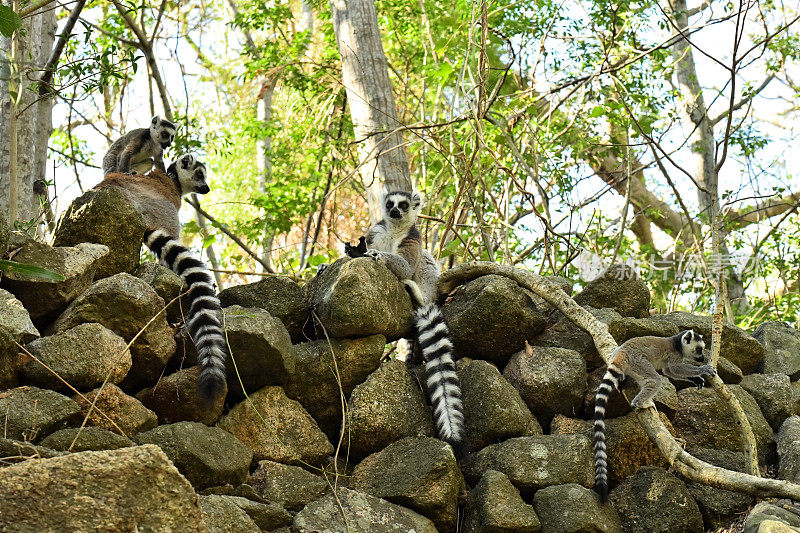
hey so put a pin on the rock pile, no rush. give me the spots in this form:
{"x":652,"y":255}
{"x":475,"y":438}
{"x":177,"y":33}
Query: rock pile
{"x":322,"y":431}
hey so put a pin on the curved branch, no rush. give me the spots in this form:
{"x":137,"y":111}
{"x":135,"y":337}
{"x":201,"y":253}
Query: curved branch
{"x":686,"y":464}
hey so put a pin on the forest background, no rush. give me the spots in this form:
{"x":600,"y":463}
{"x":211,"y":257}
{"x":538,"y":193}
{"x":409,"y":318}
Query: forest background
{"x":561,"y":136}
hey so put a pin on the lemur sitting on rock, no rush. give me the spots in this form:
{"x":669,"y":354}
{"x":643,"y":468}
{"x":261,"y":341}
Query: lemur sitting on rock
{"x":157,"y":197}
{"x":396,"y":242}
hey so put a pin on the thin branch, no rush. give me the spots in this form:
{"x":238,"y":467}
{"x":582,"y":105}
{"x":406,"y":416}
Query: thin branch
{"x":50,"y":67}
{"x":224,"y":229}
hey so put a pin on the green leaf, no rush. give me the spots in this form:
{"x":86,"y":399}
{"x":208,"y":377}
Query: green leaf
{"x":9,"y":21}
{"x":30,"y":271}
{"x":597,"y":111}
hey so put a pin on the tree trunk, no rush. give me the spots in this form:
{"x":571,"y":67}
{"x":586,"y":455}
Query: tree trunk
{"x":24,"y":124}
{"x":703,"y":145}
{"x":365,"y":75}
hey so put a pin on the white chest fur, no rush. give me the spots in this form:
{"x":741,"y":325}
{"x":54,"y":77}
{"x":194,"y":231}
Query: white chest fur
{"x":388,"y":240}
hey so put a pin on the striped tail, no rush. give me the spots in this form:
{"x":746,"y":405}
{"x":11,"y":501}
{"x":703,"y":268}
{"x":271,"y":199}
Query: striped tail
{"x":440,"y":369}
{"x":610,"y":381}
{"x":202,"y":320}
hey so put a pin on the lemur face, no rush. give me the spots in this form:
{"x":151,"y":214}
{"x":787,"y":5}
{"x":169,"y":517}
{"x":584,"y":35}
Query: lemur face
{"x":191,"y":175}
{"x":401,"y":205}
{"x":162,"y":131}
{"x":693,"y":345}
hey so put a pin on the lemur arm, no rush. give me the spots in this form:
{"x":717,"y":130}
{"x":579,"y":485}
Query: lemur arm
{"x":158,"y":162}
{"x":688,"y":372}
{"x":124,"y":165}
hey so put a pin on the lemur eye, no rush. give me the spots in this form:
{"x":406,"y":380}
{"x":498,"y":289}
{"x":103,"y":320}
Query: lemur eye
{"x":389,"y":205}
{"x":403,"y":205}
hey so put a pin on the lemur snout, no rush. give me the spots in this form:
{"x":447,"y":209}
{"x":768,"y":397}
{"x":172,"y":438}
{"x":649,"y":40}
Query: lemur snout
{"x":395,"y":213}
{"x":203,"y":189}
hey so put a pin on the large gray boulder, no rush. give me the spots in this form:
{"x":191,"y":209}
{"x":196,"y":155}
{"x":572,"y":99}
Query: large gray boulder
{"x":779,"y":517}
{"x":261,"y":349}
{"x":781,"y":344}
{"x":532,"y":463}
{"x":565,"y":334}
{"x":703,"y":420}
{"x":15,"y":451}
{"x":169,"y":286}
{"x":85,"y":439}
{"x":359,"y":297}
{"x":327,"y":369}
{"x":290,"y":486}
{"x":493,"y":409}
{"x":619,"y":288}
{"x":222,"y":515}
{"x":418,"y":473}
{"x":30,"y":413}
{"x":45,"y":299}
{"x":207,"y":456}
{"x":277,"y":428}
{"x":738,"y":346}
{"x":84,"y":356}
{"x":572,"y":507}
{"x":719,"y":507}
{"x":105,"y":217}
{"x":15,"y":319}
{"x":267,"y":516}
{"x":15,"y":327}
{"x":495,"y":506}
{"x":349,"y":511}
{"x":176,"y":398}
{"x":774,"y":395}
{"x":278,"y":295}
{"x":655,"y":501}
{"x":627,"y":445}
{"x":10,"y":361}
{"x":129,"y":307}
{"x":789,"y":450}
{"x":115,"y":411}
{"x":491,"y":318}
{"x":120,"y":490}
{"x":388,"y":406}
{"x":550,"y":381}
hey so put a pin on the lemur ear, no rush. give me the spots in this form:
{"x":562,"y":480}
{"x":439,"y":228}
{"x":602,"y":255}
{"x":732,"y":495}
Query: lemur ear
{"x":156,"y":120}
{"x":186,"y":161}
{"x":416,"y":198}
{"x":687,"y":337}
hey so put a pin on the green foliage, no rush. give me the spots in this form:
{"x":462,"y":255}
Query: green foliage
{"x":9,"y":21}
{"x":31,"y":272}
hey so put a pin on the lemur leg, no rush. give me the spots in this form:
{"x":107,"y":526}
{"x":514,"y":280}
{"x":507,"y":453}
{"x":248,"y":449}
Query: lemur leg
{"x":398,"y":266}
{"x":158,"y":162}
{"x":649,"y":381}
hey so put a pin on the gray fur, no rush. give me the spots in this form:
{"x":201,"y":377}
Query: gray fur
{"x":139,"y":150}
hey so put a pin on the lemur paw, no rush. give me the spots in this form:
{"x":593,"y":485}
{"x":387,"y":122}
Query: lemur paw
{"x":643,"y":404}
{"x":321,"y":268}
{"x":708,"y":371}
{"x":374,"y":254}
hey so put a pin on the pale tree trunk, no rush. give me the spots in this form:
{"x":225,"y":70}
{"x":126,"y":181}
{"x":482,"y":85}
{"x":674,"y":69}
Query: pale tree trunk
{"x":365,"y":74}
{"x":25,"y":125}
{"x":703,"y":144}
{"x":263,"y":147}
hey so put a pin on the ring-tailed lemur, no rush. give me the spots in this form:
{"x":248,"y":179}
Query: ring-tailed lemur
{"x":677,"y":357}
{"x":396,"y":241}
{"x":158,"y":198}
{"x":139,"y":150}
